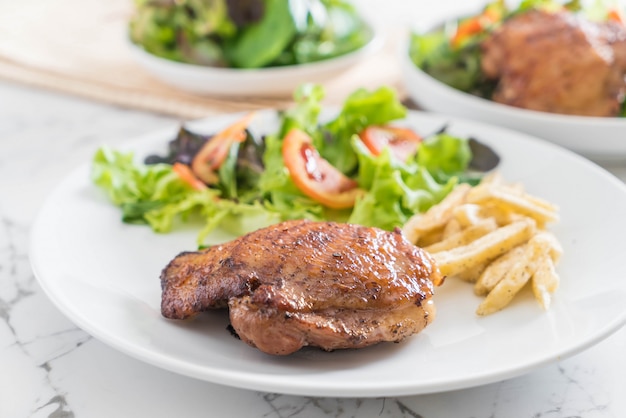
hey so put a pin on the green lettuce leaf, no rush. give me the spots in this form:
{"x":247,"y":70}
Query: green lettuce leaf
{"x":444,"y":155}
{"x":126,"y":182}
{"x":395,"y":190}
{"x":458,"y":68}
{"x":361,"y":109}
{"x":156,"y":196}
{"x":262,"y":42}
{"x":304,"y":114}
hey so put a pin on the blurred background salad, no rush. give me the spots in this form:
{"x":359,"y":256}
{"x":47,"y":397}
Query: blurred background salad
{"x":247,"y":33}
{"x":559,"y":56}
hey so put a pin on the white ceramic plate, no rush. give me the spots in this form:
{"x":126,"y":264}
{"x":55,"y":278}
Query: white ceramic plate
{"x":104,"y":275}
{"x":273,"y":81}
{"x":594,"y":137}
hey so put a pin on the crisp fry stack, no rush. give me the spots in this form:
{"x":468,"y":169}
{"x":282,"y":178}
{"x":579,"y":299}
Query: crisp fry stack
{"x":493,"y":235}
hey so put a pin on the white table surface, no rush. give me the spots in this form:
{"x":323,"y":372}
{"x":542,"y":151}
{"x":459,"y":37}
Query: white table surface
{"x":50,"y":368}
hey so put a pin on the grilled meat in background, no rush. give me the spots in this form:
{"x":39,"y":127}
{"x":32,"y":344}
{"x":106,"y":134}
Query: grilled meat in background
{"x":558,"y":62}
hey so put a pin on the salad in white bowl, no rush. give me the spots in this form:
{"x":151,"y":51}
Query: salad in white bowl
{"x":555,"y":70}
{"x":247,"y":48}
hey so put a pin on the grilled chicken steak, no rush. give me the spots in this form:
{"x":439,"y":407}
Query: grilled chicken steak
{"x":559,"y":63}
{"x":300,"y":283}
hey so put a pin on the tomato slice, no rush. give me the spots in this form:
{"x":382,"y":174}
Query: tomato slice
{"x":475,"y":25}
{"x":402,"y":142}
{"x":616,"y":15}
{"x":211,"y":156}
{"x":315,"y":176}
{"x":184,"y":172}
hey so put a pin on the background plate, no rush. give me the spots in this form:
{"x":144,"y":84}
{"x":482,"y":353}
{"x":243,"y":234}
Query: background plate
{"x":239,"y":82}
{"x":600,"y":138}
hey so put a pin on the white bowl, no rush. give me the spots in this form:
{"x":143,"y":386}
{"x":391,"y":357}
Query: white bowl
{"x":272,"y":81}
{"x":594,"y":137}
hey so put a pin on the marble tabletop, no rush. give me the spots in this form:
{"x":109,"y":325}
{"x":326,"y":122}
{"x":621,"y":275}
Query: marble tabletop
{"x":51,"y":368}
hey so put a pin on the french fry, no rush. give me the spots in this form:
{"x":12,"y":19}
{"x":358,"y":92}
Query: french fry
{"x":501,"y":214}
{"x":472,"y":213}
{"x":503,"y":293}
{"x":545,"y":281}
{"x":451,"y":228}
{"x":525,"y":204}
{"x":411,"y":228}
{"x":555,"y":248}
{"x":493,"y":178}
{"x":494,"y":236}
{"x":468,"y":214}
{"x":430,"y":237}
{"x":472,"y":275}
{"x":437,"y":216}
{"x":496,"y":179}
{"x":464,"y":236}
{"x":486,"y":248}
{"x":496,"y":270}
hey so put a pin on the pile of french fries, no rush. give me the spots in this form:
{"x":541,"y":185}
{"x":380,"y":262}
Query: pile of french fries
{"x":493,"y":235}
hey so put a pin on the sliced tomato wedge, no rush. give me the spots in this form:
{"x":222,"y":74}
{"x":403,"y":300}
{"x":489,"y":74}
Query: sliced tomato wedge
{"x":475,"y":25}
{"x":315,"y":176}
{"x":211,"y":156}
{"x":402,"y":142}
{"x":616,"y":15}
{"x":465,"y":30}
{"x":184,"y":172}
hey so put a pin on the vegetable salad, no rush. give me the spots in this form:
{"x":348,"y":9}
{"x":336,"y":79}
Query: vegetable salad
{"x":452,"y":54}
{"x":357,"y":167}
{"x":247,"y":33}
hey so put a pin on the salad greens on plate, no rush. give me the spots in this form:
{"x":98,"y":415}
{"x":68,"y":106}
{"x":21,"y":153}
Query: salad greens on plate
{"x":359,"y":166}
{"x":248,"y":33}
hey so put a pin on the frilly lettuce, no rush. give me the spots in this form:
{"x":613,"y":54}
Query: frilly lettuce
{"x":397,"y":190}
{"x":156,"y":196}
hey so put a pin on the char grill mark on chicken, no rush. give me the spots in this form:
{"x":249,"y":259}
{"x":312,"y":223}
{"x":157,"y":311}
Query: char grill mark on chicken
{"x":559,"y":63}
{"x":302,"y":283}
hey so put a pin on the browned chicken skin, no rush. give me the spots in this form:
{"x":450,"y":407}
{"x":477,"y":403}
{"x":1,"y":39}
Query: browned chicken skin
{"x":302,"y":283}
{"x":558,"y":62}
